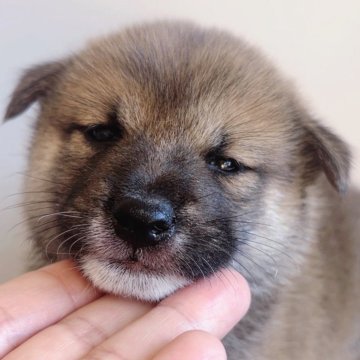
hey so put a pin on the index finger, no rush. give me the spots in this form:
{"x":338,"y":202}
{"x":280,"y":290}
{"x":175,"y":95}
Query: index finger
{"x":37,"y":299}
{"x":213,"y":305}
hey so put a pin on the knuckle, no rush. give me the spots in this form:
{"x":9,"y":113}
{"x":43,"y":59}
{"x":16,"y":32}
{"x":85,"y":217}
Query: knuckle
{"x":83,"y":331}
{"x":104,"y":353}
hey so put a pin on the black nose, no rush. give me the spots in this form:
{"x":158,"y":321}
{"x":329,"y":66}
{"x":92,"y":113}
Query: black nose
{"x":144,"y":223}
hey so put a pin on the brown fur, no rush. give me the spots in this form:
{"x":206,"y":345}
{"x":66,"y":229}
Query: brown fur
{"x":177,"y":95}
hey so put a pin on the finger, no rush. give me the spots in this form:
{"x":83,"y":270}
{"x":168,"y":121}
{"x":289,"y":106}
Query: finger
{"x":82,"y":330}
{"x":39,"y":298}
{"x":193,"y":345}
{"x":214,"y":305}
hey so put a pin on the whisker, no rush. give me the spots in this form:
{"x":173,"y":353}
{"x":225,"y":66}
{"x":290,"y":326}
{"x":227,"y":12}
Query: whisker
{"x":41,"y":179}
{"x":29,"y":203}
{"x":241,"y":221}
{"x":271,"y":247}
{"x":263,"y":252}
{"x":25,"y":221}
{"x":212,"y":246}
{"x":40,"y":218}
{"x":76,"y":241}
{"x":62,"y":213}
{"x":73,"y":228}
{"x":182,"y":261}
{"x":196,"y":264}
{"x":28,"y":192}
{"x":64,"y":242}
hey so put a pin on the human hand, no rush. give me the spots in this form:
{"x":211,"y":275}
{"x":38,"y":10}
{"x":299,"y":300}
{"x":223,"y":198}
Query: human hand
{"x":53,"y":313}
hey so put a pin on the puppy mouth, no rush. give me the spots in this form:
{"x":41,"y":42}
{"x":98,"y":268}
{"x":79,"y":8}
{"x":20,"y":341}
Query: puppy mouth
{"x":137,"y":261}
{"x":113,"y":266}
{"x":131,"y":278}
{"x":135,"y":264}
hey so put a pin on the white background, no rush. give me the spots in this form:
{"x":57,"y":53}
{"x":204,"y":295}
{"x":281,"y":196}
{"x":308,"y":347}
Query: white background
{"x":315,"y":42}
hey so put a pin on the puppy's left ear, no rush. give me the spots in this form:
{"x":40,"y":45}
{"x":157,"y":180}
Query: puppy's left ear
{"x":327,"y":152}
{"x":34,"y":85}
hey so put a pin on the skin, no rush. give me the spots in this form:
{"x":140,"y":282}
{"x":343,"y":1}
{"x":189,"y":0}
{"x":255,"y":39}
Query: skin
{"x":54,"y":309}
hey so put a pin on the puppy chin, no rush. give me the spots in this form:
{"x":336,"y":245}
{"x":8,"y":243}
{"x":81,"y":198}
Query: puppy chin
{"x":118,"y":280}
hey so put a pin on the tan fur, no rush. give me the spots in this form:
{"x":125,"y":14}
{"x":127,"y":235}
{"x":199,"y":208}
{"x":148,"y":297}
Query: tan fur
{"x":178,"y":91}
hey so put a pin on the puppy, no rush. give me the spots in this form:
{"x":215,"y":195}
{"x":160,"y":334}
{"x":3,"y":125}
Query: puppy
{"x":167,"y":152}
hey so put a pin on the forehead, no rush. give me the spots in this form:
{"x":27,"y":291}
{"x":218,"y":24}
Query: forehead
{"x":179,"y":83}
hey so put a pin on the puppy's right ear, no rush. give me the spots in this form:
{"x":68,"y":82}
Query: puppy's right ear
{"x":34,"y":85}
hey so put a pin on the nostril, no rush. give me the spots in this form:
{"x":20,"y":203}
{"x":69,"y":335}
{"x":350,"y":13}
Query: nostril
{"x":161,"y":226}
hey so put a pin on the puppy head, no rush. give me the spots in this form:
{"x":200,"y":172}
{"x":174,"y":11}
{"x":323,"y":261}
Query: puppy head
{"x":165,"y":153}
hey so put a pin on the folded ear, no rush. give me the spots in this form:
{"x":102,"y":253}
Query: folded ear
{"x":33,"y":85}
{"x":328,"y":153}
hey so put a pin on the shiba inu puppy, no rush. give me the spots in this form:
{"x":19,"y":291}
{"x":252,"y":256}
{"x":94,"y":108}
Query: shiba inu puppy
{"x":167,"y":152}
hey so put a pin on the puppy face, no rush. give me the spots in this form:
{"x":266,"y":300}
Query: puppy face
{"x":165,"y":153}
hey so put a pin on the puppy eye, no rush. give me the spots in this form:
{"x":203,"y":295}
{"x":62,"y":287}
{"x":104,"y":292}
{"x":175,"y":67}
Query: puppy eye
{"x":102,"y":133}
{"x":226,"y":165}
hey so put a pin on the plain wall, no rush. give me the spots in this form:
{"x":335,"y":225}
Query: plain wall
{"x":316,"y":43}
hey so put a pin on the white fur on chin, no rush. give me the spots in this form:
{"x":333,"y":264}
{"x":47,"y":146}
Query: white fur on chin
{"x":120,"y":281}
